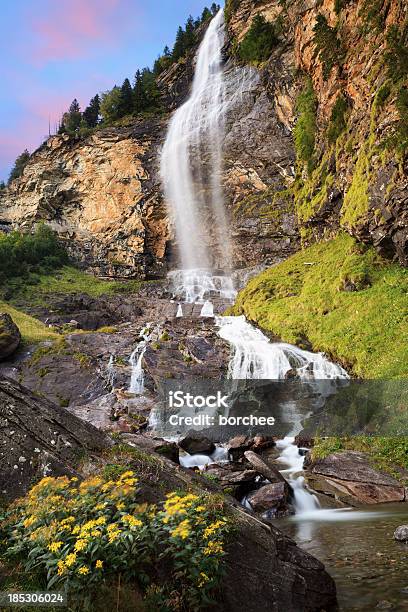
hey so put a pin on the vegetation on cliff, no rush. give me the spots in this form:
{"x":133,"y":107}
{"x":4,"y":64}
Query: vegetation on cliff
{"x":23,"y":253}
{"x":259,"y":41}
{"x":342,"y":298}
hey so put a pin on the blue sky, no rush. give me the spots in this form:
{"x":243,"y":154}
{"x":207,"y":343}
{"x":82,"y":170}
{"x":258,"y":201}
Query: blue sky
{"x":55,"y":50}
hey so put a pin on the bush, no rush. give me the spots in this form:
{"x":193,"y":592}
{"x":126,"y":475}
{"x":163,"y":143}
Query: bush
{"x":329,"y":49}
{"x":77,"y":536}
{"x":337,"y":123}
{"x":22,"y":253}
{"x":396,"y":56}
{"x":305,"y":128}
{"x":259,"y":41}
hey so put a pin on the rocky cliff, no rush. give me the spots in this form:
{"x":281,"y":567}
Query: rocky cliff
{"x":316,"y":143}
{"x":337,"y":80}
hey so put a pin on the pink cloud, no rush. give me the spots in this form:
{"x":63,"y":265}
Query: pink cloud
{"x":68,"y":29}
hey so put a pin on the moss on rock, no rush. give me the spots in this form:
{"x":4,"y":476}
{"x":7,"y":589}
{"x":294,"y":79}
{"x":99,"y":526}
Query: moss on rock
{"x":344,"y":298}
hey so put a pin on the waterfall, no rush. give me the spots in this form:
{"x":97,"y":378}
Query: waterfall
{"x":136,"y":362}
{"x":255,"y":357}
{"x":191,"y":159}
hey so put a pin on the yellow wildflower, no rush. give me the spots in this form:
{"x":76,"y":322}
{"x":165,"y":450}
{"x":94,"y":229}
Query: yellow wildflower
{"x":203,"y":579}
{"x":70,"y":559}
{"x":200,"y":509}
{"x":213,"y":548}
{"x":212,"y":528}
{"x":113,"y":535}
{"x":83,"y":570}
{"x":61,"y":567}
{"x":101,"y":520}
{"x":99,"y":564}
{"x":55,"y":546}
{"x":100,"y":506}
{"x":128,"y":474}
{"x":108,"y":485}
{"x":76,"y":529}
{"x":29,"y":521}
{"x":80,"y":545}
{"x":132,"y":521}
{"x":120,"y":506}
{"x":182,"y":530}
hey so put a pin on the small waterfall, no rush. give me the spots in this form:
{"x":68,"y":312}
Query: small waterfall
{"x":255,"y":357}
{"x":136,"y":361}
{"x":304,"y":501}
{"x":207,"y":310}
{"x":179,"y":311}
{"x":197,"y":285}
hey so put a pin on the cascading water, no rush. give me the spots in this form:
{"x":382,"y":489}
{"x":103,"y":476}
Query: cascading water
{"x":191,"y":159}
{"x":136,"y":361}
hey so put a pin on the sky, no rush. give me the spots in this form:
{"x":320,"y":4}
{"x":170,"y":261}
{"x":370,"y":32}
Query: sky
{"x":53,"y":51}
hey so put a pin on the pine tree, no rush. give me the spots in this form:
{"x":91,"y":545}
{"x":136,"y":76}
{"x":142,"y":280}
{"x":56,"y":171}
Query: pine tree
{"x":110,"y":104}
{"x":206,"y":15}
{"x":72,"y":119}
{"x":2,"y":185}
{"x":151,"y":92}
{"x":215,"y":8}
{"x":126,"y":99}
{"x":139,"y":99}
{"x":19,"y":165}
{"x":189,"y":34}
{"x":179,"y":46}
{"x":91,"y":113}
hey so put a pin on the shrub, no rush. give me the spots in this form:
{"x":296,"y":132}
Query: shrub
{"x":305,"y":129}
{"x":21,"y":253}
{"x":77,"y":536}
{"x":396,"y":56}
{"x":337,"y":123}
{"x":329,"y":49}
{"x":259,"y":41}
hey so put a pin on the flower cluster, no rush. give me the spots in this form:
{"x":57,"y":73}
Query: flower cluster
{"x":82,"y":533}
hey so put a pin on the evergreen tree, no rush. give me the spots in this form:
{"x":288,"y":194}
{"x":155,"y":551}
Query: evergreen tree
{"x":91,"y":113}
{"x":215,"y":8}
{"x":139,"y":99}
{"x":150,"y":90}
{"x":259,"y":40}
{"x":189,"y":34}
{"x":179,"y":48}
{"x":2,"y":185}
{"x":19,"y":166}
{"x":126,"y":99}
{"x":206,"y":14}
{"x":163,"y":61}
{"x":72,"y":119}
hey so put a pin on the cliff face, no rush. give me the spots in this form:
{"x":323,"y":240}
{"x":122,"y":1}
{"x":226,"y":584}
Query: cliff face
{"x":357,"y":66}
{"x":103,"y":194}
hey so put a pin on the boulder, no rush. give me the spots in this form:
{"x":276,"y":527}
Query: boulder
{"x":267,"y":470}
{"x":350,"y":478}
{"x":233,"y":477}
{"x":272,"y":498}
{"x":237,"y":446}
{"x":10,"y":336}
{"x":196,"y":444}
{"x":401,"y":533}
{"x":38,"y":438}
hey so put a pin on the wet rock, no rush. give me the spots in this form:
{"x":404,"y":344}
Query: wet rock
{"x":234,"y":478}
{"x":196,"y":444}
{"x":272,"y":498}
{"x":304,"y":441}
{"x":401,"y":533}
{"x":350,"y":478}
{"x":237,"y":446}
{"x":153,"y":445}
{"x":38,"y":438}
{"x":261,"y":443}
{"x":267,"y":470}
{"x":10,"y":336}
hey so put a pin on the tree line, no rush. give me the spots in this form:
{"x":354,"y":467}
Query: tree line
{"x":131,"y":98}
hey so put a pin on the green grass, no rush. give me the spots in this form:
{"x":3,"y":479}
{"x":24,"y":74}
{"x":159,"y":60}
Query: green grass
{"x":31,"y":329}
{"x":304,"y":297}
{"x":35,"y":288}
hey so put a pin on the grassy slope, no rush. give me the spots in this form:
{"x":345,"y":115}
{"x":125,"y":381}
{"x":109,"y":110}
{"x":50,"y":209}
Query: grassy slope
{"x":31,"y":329}
{"x":304,"y":296}
{"x":35,"y":289}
